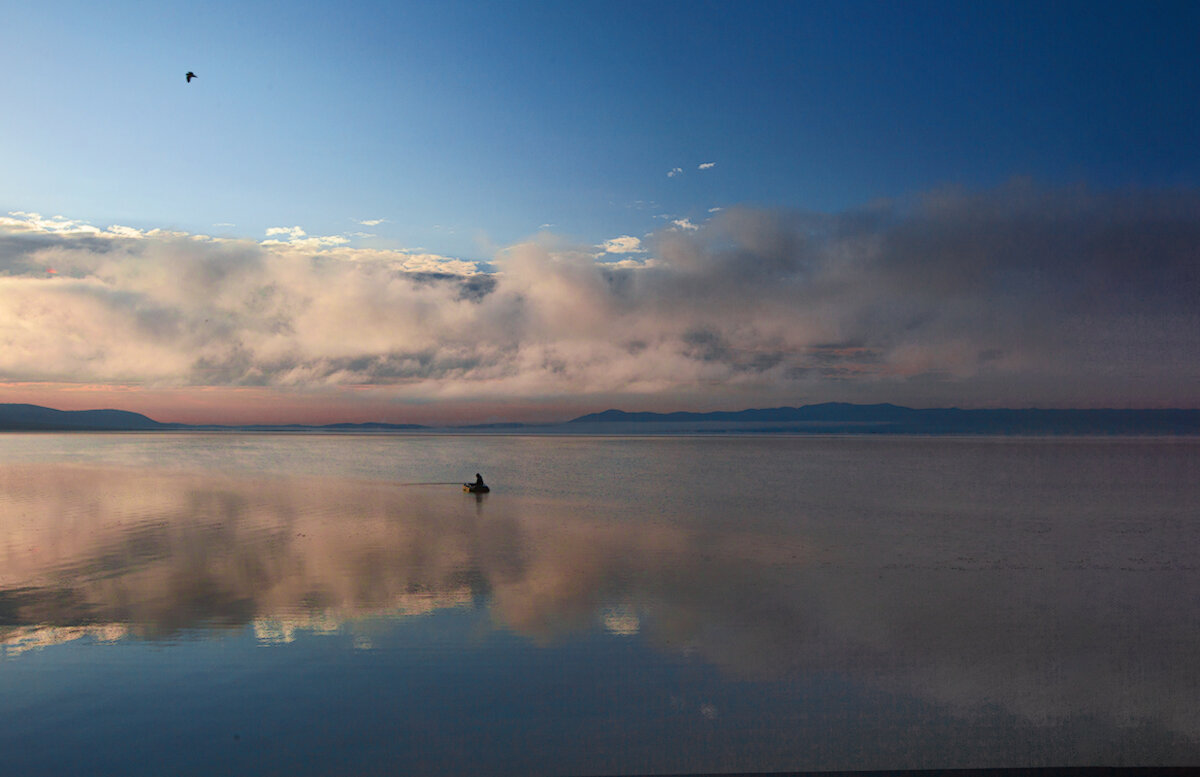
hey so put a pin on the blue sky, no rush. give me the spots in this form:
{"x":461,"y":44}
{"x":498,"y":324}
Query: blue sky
{"x":471,"y":125}
{"x":463,"y":130}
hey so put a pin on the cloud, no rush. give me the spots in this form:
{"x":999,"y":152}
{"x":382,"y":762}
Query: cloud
{"x":685,"y":224}
{"x":370,"y":222}
{"x":706,"y":165}
{"x":674,"y":171}
{"x":1018,"y":295}
{"x":23,"y":221}
{"x":293,"y":233}
{"x":315,"y":243}
{"x":119,"y":231}
{"x":27,"y":222}
{"x":297,"y":238}
{"x":171,"y":310}
{"x":623,"y":245}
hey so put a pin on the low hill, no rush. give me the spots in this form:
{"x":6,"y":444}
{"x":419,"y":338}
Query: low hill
{"x":34,"y":418}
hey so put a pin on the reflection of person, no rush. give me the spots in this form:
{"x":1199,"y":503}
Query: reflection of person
{"x":478,"y":480}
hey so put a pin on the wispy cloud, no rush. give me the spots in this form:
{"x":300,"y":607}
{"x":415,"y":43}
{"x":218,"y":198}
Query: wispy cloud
{"x":675,"y":171}
{"x":369,"y":222}
{"x":706,"y":165}
{"x":685,"y":224}
{"x":1018,"y":295}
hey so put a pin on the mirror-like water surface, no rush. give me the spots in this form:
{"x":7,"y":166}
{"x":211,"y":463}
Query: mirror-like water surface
{"x":198,"y":604}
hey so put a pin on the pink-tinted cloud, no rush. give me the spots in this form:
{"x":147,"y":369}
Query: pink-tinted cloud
{"x":1015,"y":296}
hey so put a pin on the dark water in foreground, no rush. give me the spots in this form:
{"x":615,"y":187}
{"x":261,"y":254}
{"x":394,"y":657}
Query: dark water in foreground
{"x":218,"y":604}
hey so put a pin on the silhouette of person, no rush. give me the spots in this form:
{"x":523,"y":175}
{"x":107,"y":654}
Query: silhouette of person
{"x":478,"y":480}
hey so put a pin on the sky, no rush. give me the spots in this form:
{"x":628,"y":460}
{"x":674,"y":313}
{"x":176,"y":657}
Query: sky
{"x":466,"y":212}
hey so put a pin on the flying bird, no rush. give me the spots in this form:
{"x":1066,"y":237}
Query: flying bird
{"x":190,"y":76}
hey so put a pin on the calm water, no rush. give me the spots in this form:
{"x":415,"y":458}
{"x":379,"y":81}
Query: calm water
{"x":217,"y":604}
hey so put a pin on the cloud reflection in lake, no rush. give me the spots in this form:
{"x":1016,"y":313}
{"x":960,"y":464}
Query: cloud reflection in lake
{"x":965,"y":617}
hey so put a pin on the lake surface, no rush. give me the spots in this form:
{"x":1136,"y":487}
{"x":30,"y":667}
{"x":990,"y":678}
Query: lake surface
{"x":333,"y":604}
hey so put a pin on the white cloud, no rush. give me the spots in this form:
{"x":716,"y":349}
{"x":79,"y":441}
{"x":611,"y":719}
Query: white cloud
{"x":370,"y":222}
{"x":707,"y":165}
{"x":119,"y":231}
{"x":685,"y":224}
{"x":23,"y":221}
{"x":315,"y":243}
{"x":715,"y":210}
{"x":674,"y":172}
{"x":297,"y":238}
{"x":623,"y":245}
{"x":293,"y":233}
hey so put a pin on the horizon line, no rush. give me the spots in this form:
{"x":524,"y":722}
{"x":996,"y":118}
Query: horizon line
{"x":607,"y":416}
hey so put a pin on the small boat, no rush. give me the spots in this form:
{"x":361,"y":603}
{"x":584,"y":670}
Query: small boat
{"x":471,"y":488}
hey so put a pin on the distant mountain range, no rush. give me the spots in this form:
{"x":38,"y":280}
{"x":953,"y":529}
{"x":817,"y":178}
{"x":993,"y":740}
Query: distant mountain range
{"x":34,"y":418}
{"x":844,"y":418}
{"x":828,"y":418}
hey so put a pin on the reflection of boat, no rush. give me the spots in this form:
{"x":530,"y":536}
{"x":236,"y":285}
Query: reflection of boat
{"x":476,"y":489}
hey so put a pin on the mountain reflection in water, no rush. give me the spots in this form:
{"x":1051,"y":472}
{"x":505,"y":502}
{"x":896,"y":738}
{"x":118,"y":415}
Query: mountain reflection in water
{"x":1045,"y":623}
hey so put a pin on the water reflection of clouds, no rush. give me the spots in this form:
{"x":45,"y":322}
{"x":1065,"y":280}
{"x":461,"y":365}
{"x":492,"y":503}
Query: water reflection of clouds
{"x":154,"y":553}
{"x":107,"y":554}
{"x":19,"y":639}
{"x":161,"y":553}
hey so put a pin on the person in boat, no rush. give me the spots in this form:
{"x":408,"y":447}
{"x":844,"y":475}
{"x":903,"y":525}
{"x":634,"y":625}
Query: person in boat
{"x":478,"y":481}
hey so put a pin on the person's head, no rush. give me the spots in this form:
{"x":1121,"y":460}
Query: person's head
{"x":479,"y":476}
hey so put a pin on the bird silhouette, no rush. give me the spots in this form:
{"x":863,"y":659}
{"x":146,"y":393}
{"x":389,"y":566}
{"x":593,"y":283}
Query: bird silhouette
{"x":190,"y":76}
